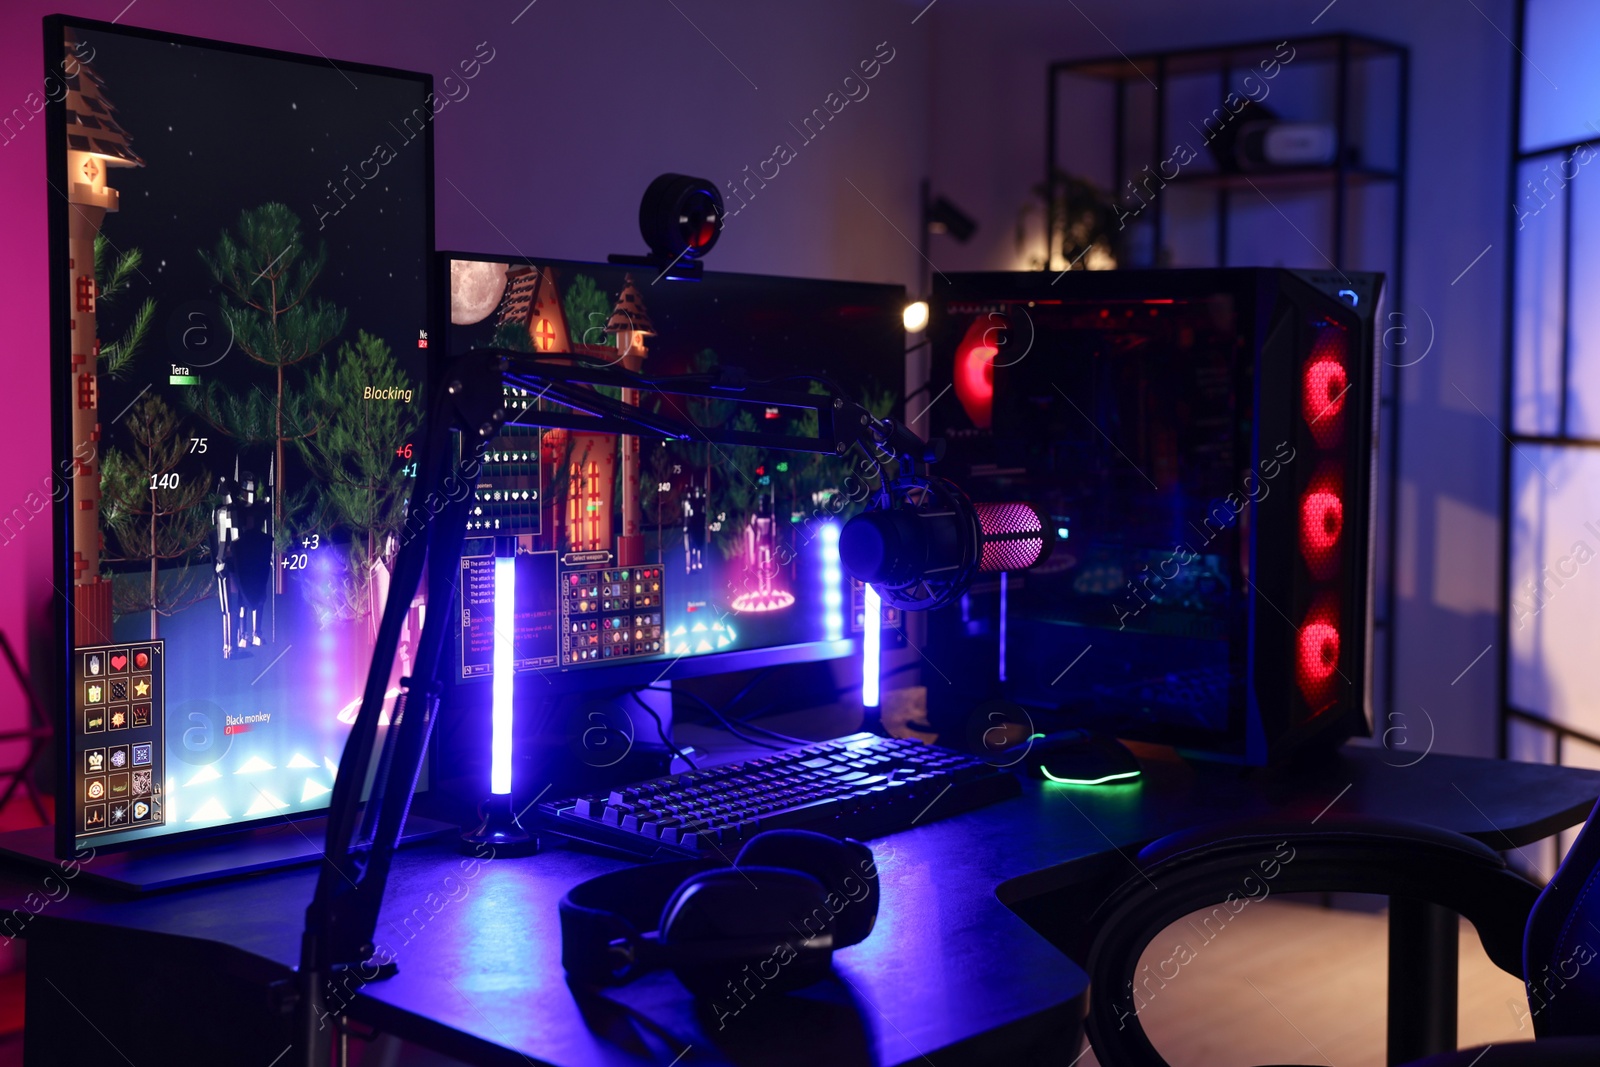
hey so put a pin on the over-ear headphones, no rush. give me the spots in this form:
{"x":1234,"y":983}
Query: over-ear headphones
{"x":790,"y":898}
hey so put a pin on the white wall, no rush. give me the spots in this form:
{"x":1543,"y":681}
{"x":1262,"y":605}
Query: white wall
{"x":987,"y":148}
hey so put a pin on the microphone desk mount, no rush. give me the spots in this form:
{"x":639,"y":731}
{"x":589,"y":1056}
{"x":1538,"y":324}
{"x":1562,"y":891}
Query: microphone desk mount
{"x":475,"y":395}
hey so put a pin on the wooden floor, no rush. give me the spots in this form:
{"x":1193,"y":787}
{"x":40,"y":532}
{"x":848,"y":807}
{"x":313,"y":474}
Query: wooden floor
{"x":1292,"y":982}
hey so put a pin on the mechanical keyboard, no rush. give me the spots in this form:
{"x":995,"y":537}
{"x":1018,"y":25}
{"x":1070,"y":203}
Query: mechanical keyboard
{"x":861,"y":785}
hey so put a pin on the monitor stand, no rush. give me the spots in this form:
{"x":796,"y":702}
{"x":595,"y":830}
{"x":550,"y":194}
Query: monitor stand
{"x":149,"y":869}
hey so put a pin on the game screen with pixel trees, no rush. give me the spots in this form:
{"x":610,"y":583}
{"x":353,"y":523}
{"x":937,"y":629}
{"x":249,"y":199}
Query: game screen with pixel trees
{"x":242,"y":242}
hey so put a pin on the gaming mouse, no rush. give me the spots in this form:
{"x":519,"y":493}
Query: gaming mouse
{"x":1077,"y":757}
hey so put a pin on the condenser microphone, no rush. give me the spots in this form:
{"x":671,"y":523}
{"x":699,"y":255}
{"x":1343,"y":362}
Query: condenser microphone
{"x":924,"y":551}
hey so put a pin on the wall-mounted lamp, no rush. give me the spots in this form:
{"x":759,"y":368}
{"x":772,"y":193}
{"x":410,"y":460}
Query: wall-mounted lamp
{"x":941,"y":216}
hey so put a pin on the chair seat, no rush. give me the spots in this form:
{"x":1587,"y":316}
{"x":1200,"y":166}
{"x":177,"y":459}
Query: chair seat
{"x":1524,"y":931}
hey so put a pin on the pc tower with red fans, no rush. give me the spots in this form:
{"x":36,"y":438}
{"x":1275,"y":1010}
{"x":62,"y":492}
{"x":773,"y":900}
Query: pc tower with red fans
{"x":1201,"y":443}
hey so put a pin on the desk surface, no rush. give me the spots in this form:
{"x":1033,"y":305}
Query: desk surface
{"x":478,"y":942}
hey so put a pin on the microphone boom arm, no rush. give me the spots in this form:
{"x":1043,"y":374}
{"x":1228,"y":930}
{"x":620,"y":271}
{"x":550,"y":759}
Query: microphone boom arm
{"x":474,"y":397}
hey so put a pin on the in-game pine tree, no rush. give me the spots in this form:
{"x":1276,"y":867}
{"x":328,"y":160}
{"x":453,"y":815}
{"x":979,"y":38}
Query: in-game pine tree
{"x":363,"y":486}
{"x":155,"y":515}
{"x":111,"y":279}
{"x":587,"y":308}
{"x":266,"y":275}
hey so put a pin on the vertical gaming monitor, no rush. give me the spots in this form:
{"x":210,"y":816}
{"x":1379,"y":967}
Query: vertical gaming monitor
{"x":632,"y":553}
{"x":240,"y":249}
{"x":1203,"y":441}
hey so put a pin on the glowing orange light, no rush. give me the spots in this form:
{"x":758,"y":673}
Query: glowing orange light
{"x":544,"y":335}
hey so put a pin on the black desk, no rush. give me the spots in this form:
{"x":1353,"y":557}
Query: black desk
{"x":953,"y":970}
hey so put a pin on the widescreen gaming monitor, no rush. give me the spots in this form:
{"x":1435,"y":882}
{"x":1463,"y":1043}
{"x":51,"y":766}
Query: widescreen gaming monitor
{"x":1203,"y":442}
{"x":633,"y":553}
{"x":241,"y":249}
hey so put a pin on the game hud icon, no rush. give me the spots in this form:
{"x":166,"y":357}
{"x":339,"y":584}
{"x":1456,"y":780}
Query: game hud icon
{"x":94,"y":720}
{"x":142,"y":754}
{"x":118,"y":717}
{"x":141,"y":783}
{"x":118,"y":757}
{"x":118,"y":660}
{"x":117,"y":785}
{"x":141,"y":810}
{"x":141,"y":715}
{"x":118,"y":814}
{"x":94,"y":788}
{"x":93,"y":664}
{"x":94,"y":760}
{"x":94,"y":817}
{"x":94,"y":692}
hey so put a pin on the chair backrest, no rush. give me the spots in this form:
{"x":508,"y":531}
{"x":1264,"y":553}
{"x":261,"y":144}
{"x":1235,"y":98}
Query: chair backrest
{"x":1561,"y":947}
{"x":1232,"y":865}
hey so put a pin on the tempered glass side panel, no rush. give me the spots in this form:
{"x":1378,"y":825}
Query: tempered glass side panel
{"x":1123,"y":423}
